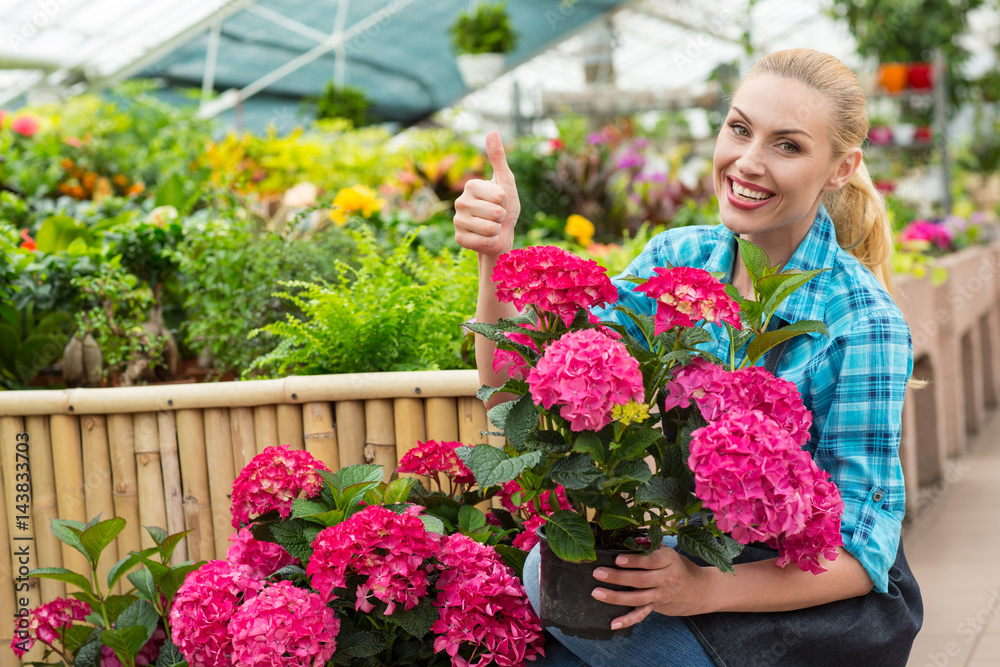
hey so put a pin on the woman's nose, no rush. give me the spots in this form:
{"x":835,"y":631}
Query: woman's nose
{"x":751,"y":162}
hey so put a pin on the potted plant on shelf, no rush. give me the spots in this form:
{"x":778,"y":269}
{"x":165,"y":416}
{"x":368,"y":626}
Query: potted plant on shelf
{"x":481,"y":37}
{"x":584,"y":424}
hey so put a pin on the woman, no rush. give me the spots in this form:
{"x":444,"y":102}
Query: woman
{"x":789,"y":175}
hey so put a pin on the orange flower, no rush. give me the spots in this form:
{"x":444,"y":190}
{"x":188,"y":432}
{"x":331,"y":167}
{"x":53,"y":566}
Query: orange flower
{"x":121,"y":180}
{"x":89,"y":180}
{"x":136,"y":188}
{"x":29,"y":243}
{"x":67,"y":164}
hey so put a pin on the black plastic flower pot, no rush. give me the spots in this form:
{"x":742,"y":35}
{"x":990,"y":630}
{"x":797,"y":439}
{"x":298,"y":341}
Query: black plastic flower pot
{"x":566,"y":600}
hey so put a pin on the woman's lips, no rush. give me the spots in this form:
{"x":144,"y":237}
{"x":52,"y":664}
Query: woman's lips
{"x":745,"y":203}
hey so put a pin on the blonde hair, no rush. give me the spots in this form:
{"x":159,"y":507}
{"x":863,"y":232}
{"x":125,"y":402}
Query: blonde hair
{"x":858,"y":210}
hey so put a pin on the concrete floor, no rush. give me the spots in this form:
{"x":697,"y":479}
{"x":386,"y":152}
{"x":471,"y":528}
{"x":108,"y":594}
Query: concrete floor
{"x":953,"y":547}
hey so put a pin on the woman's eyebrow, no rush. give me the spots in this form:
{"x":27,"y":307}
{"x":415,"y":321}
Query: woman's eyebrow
{"x":784,"y":131}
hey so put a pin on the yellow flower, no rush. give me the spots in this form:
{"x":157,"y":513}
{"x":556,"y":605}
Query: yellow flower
{"x":630,"y":413}
{"x":355,"y":199}
{"x":580,"y":229}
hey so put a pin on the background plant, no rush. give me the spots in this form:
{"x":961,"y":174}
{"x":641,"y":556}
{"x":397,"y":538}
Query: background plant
{"x":484,"y":29}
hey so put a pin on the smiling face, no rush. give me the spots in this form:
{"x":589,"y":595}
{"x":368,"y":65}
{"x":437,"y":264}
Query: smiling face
{"x":774,"y":160}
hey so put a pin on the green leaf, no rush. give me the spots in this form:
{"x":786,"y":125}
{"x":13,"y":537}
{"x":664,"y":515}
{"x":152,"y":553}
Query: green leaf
{"x":170,"y":655}
{"x":116,"y":604}
{"x":416,"y":621}
{"x":169,"y":544}
{"x":58,"y":231}
{"x":522,"y":422}
{"x":470,"y":519}
{"x":548,"y":441}
{"x":119,"y":569}
{"x":432,"y":524}
{"x":662,"y":491}
{"x":302,"y":507}
{"x":513,"y":385}
{"x":491,"y":466}
{"x":617,"y":515}
{"x":759,"y":346}
{"x":513,"y":557}
{"x":172,"y":581}
{"x":126,"y":642}
{"x":76,"y":636}
{"x":157,"y":533}
{"x":627,"y":472}
{"x":576,"y":471}
{"x":775,"y":289}
{"x":291,"y":536}
{"x":756,"y":261}
{"x":144,"y":584}
{"x":570,"y":537}
{"x":140,"y":614}
{"x":398,"y":490}
{"x":68,"y":531}
{"x":89,"y":654}
{"x":96,"y":538}
{"x":638,"y":442}
{"x":359,"y":645}
{"x":62,"y":574}
{"x":587,"y":442}
{"x":718,"y":551}
{"x":498,"y":414}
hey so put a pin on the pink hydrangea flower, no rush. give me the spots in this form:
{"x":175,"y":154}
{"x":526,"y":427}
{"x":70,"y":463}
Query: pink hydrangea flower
{"x":386,"y":548}
{"x":701,"y":381}
{"x":26,"y":126}
{"x":47,"y":622}
{"x":147,"y":654}
{"x":284,"y":626}
{"x":431,"y":457}
{"x":203,"y":607}
{"x":482,"y":606}
{"x":527,"y":540}
{"x":587,"y":374}
{"x":272,"y":480}
{"x":550,"y":501}
{"x":924,"y":230}
{"x":264,"y":558}
{"x":552,"y":281}
{"x":760,"y":484}
{"x":687,"y":296}
{"x":821,"y":535}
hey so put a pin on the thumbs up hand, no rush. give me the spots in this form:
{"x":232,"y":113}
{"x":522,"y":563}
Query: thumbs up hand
{"x":486,"y":211}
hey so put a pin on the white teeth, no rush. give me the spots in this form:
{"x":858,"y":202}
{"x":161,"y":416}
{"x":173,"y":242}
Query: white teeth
{"x":748,"y":193}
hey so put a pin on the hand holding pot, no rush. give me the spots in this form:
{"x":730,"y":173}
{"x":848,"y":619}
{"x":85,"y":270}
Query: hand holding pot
{"x":486,"y":211}
{"x":664,"y":581}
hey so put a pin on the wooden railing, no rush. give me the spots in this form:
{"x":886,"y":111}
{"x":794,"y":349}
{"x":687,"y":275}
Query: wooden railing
{"x":167,"y":455}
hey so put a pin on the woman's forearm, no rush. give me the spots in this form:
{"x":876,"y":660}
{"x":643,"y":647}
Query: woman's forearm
{"x":762,"y":586}
{"x":489,"y":310}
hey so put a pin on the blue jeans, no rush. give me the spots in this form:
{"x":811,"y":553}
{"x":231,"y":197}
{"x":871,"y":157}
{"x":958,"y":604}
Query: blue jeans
{"x":658,"y":641}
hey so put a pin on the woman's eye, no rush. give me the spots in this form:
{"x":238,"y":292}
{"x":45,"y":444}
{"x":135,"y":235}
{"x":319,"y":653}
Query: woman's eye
{"x":788,"y":147}
{"x":739,"y":129}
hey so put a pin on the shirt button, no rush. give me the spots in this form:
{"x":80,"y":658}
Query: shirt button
{"x":877,"y":496}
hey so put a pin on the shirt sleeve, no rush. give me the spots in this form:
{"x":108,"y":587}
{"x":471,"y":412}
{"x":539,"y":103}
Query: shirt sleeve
{"x":870,"y":365}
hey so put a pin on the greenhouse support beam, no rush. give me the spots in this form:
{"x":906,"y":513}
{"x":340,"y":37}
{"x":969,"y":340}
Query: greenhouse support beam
{"x":231,"y":97}
{"x":226,"y":10}
{"x":292,"y":25}
{"x":211,"y":60}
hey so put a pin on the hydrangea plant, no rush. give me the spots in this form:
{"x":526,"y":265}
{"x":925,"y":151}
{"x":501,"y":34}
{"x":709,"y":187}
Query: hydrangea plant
{"x":641,"y":437}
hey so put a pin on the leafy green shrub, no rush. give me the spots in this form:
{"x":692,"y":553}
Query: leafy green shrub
{"x":396,"y":312}
{"x":227,"y":274}
{"x":485,"y":29}
{"x":344,"y":101}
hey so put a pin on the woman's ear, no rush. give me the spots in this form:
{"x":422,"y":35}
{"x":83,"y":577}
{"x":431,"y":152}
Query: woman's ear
{"x":845,"y":169}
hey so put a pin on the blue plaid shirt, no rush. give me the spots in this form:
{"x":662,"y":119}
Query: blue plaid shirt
{"x":853,"y":381}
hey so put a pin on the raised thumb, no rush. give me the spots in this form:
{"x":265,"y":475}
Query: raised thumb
{"x":502,"y":174}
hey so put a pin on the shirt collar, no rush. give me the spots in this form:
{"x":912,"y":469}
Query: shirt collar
{"x":818,"y":250}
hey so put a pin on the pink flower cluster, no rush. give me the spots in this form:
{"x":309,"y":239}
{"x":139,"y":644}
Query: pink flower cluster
{"x":587,"y":373}
{"x":717,"y":391}
{"x":431,"y":457}
{"x":264,"y":558}
{"x":390,"y":550}
{"x":482,"y":605}
{"x":272,"y":480}
{"x":687,"y":296}
{"x":48,"y":621}
{"x":749,"y":465}
{"x":204,"y":605}
{"x":925,"y":230}
{"x":512,"y":361}
{"x":26,"y":126}
{"x":283,"y":626}
{"x":549,"y":501}
{"x":552,"y":281}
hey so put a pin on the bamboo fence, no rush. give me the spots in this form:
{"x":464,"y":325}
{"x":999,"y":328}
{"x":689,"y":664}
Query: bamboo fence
{"x":167,"y":456}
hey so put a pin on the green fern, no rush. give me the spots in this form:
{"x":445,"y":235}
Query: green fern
{"x":395,"y":312}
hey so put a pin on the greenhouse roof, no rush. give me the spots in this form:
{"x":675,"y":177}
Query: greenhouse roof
{"x":273,"y":52}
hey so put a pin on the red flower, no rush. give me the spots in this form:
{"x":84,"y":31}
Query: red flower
{"x":29,"y":243}
{"x":272,"y":480}
{"x":431,"y":457}
{"x":26,"y":126}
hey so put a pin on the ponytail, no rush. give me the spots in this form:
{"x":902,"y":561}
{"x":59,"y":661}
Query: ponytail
{"x":862,"y":224}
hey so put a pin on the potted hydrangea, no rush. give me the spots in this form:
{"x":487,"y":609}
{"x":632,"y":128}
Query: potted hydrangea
{"x":481,"y":37}
{"x":640,"y":437}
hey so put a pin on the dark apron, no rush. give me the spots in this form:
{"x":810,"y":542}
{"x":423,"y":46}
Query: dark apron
{"x":873,"y":630}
